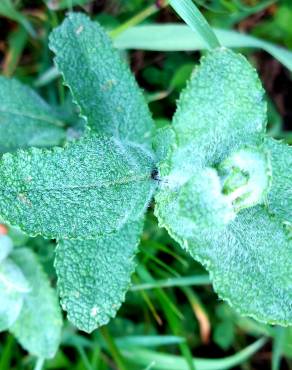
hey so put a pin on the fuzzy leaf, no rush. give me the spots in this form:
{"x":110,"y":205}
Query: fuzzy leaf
{"x":163,"y":142}
{"x":241,"y":260}
{"x":25,"y":119}
{"x":13,"y":286}
{"x":13,"y":278}
{"x":194,"y":206}
{"x":220,"y":111}
{"x":280,"y":195}
{"x":38,"y":326}
{"x":100,"y":82}
{"x":6,"y":246}
{"x":94,"y":275}
{"x":219,"y":126}
{"x":90,"y":187}
{"x":220,"y":119}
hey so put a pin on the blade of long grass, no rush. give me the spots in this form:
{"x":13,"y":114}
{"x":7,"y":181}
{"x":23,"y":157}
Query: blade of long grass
{"x":149,"y":304}
{"x":194,"y":18}
{"x":174,"y":320}
{"x":148,"y":340}
{"x":114,"y":350}
{"x":16,"y":44}
{"x":200,"y":313}
{"x":278,"y":344}
{"x":173,"y":282}
{"x":138,"y":18}
{"x":7,"y":9}
{"x":47,"y":77}
{"x":176,"y":37}
{"x":7,"y":353}
{"x":163,"y":361}
{"x":65,"y":4}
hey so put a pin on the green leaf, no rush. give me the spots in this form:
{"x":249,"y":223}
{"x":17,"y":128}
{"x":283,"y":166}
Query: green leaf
{"x":11,"y":304}
{"x":280,"y":195}
{"x":194,"y":206}
{"x":25,"y":119}
{"x":94,"y":275}
{"x":12,"y":277}
{"x":218,"y":166}
{"x":100,"y":82}
{"x":13,"y":286}
{"x":90,"y":187}
{"x":178,"y":37}
{"x":163,"y":142}
{"x":241,"y":260}
{"x":6,"y":246}
{"x":220,"y":119}
{"x":222,"y":108}
{"x":196,"y":21}
{"x":38,"y":327}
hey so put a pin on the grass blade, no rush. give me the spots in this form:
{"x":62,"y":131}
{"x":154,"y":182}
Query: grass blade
{"x":148,"y":340}
{"x":17,"y":42}
{"x":193,"y":17}
{"x":278,"y":344}
{"x":162,"y":361}
{"x":7,"y":9}
{"x":177,"y":37}
{"x":174,"y":282}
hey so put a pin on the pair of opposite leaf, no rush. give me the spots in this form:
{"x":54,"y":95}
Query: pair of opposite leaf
{"x":223,"y":191}
{"x":29,"y":306}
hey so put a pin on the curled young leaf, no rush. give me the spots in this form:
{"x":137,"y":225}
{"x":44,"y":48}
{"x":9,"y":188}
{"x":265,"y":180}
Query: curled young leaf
{"x":246,"y":177}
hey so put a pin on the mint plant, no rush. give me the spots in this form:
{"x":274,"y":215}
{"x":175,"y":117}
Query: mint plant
{"x":222,"y":187}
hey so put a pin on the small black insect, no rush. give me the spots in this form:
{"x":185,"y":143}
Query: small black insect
{"x":155,"y":175}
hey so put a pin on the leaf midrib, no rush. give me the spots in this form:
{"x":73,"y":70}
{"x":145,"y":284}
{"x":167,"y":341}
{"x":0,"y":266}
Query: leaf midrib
{"x":46,"y":119}
{"x":106,"y":184}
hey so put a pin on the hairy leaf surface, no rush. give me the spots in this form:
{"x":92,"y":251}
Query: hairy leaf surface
{"x":91,"y":187}
{"x":94,"y":275}
{"x":280,"y":195}
{"x":25,"y":119}
{"x":220,"y":111}
{"x":100,"y":82}
{"x":219,"y":125}
{"x":241,"y":260}
{"x":38,"y":326}
{"x":6,"y":246}
{"x":13,"y":287}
